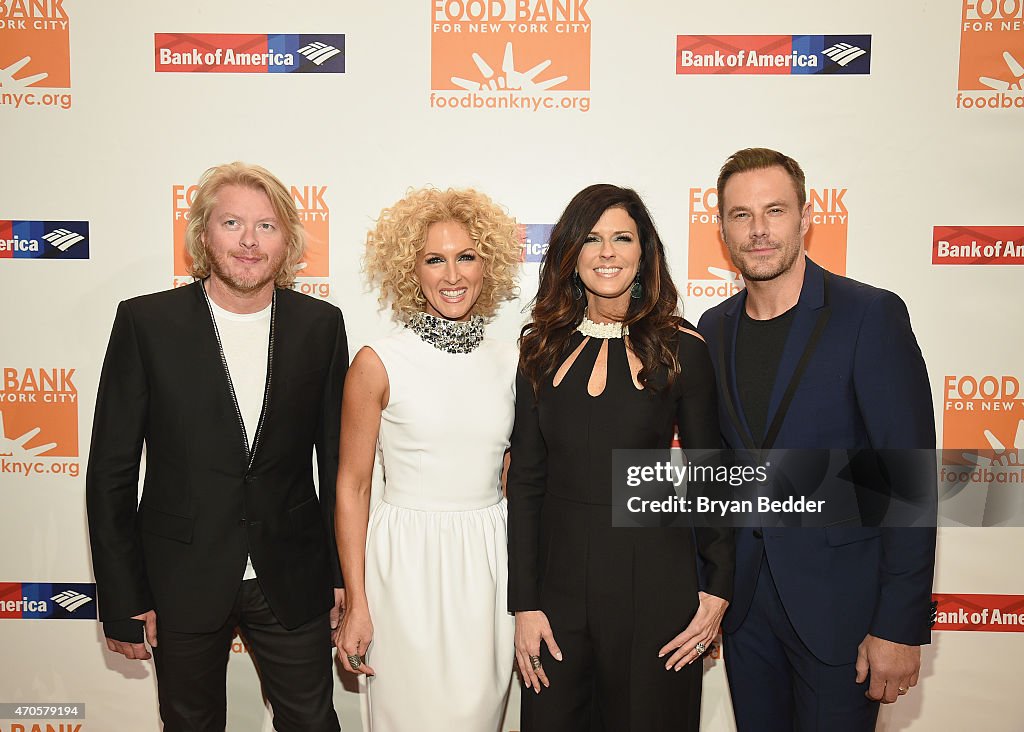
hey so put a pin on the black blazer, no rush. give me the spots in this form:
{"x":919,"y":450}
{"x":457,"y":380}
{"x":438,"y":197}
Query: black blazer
{"x":207,"y":501}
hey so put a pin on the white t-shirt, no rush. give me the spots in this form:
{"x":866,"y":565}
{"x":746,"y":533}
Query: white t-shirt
{"x":245,"y":338}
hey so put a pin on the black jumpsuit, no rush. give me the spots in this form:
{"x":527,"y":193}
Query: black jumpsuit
{"x":613,"y":596}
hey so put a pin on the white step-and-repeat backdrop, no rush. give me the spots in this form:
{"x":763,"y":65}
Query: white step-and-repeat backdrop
{"x":908,"y":118}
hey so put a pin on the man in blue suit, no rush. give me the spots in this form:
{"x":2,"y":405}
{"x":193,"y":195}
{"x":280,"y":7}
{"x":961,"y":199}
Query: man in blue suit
{"x":824,"y":623}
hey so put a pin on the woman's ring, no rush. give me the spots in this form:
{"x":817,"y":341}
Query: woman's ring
{"x":700,"y":647}
{"x":355,"y":661}
{"x":535,"y":662}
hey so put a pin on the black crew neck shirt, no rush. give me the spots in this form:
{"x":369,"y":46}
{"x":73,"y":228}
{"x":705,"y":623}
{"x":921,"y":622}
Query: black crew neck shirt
{"x":759,"y":345}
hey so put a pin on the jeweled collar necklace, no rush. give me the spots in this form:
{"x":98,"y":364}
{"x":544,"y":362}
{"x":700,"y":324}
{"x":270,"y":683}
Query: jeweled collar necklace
{"x":450,"y":336}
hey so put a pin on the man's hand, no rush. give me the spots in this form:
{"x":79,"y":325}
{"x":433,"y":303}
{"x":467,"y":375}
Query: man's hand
{"x":137,"y":651}
{"x":337,"y":611}
{"x":893,"y":668}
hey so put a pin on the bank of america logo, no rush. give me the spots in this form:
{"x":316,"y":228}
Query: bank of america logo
{"x":71,"y":600}
{"x":318,"y":52}
{"x":534,"y":239}
{"x":844,"y":53}
{"x":63,"y":239}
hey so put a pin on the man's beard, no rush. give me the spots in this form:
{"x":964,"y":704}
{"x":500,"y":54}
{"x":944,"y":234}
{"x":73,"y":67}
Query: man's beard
{"x":244,"y":284}
{"x":765,"y":271}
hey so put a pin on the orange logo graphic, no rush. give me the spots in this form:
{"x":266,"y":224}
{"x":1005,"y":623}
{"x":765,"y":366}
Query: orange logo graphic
{"x":238,"y":644}
{"x":983,"y":424}
{"x":35,"y":53}
{"x":38,"y":413}
{"x":314,"y":214}
{"x":519,"y":54}
{"x":993,"y":613}
{"x":991,"y":55}
{"x":711,"y":272}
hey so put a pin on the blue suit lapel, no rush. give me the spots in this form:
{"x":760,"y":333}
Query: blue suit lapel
{"x":734,"y":408}
{"x":805,"y":320}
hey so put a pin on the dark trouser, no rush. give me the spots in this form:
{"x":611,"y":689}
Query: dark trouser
{"x":614,"y":597}
{"x":778,"y":685}
{"x":604,"y":685}
{"x":295,"y":666}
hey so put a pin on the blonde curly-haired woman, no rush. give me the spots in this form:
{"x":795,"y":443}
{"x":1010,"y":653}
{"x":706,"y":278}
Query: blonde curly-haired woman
{"x":426,"y":569}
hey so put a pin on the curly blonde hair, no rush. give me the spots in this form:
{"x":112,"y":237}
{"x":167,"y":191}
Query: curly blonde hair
{"x":246,"y":176}
{"x":393,"y":245}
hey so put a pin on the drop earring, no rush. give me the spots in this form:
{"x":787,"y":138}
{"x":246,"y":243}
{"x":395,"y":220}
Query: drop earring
{"x":637,"y":290}
{"x":577,"y":288}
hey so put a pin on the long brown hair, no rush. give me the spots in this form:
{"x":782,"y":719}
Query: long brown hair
{"x":652,"y":319}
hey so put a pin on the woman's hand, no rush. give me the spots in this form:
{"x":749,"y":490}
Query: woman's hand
{"x":702,"y":629}
{"x":531,"y":627}
{"x":354,"y":638}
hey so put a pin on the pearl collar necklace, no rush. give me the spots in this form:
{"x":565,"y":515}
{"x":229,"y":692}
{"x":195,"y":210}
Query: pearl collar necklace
{"x":601,"y":330}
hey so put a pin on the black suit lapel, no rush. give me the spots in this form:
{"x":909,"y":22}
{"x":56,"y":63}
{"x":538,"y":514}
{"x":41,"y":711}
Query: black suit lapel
{"x":269,"y":382}
{"x":225,"y":374}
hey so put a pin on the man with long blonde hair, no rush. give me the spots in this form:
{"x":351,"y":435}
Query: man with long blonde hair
{"x":230,"y":383}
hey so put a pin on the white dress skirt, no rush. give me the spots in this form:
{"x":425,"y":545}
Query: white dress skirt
{"x":436,"y":547}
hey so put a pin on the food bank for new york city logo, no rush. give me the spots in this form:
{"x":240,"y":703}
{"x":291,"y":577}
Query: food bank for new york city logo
{"x":991,"y":55}
{"x":710,"y":270}
{"x":38,"y":413}
{"x":983,"y":422}
{"x":35,"y":53}
{"x":527,"y":46}
{"x":311,"y":203}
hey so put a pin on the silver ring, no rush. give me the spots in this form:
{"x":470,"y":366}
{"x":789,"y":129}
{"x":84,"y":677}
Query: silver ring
{"x":535,"y":662}
{"x":355,"y":661}
{"x":700,"y":647}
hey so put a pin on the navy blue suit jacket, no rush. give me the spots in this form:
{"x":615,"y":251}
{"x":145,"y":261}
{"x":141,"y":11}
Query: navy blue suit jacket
{"x":865,"y":386}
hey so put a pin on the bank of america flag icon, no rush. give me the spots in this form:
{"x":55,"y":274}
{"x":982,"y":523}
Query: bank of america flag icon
{"x":318,"y":52}
{"x":63,"y":239}
{"x":71,"y":600}
{"x":844,"y":53}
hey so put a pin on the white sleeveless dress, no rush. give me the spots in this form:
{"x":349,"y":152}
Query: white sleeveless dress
{"x":436,"y":546}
